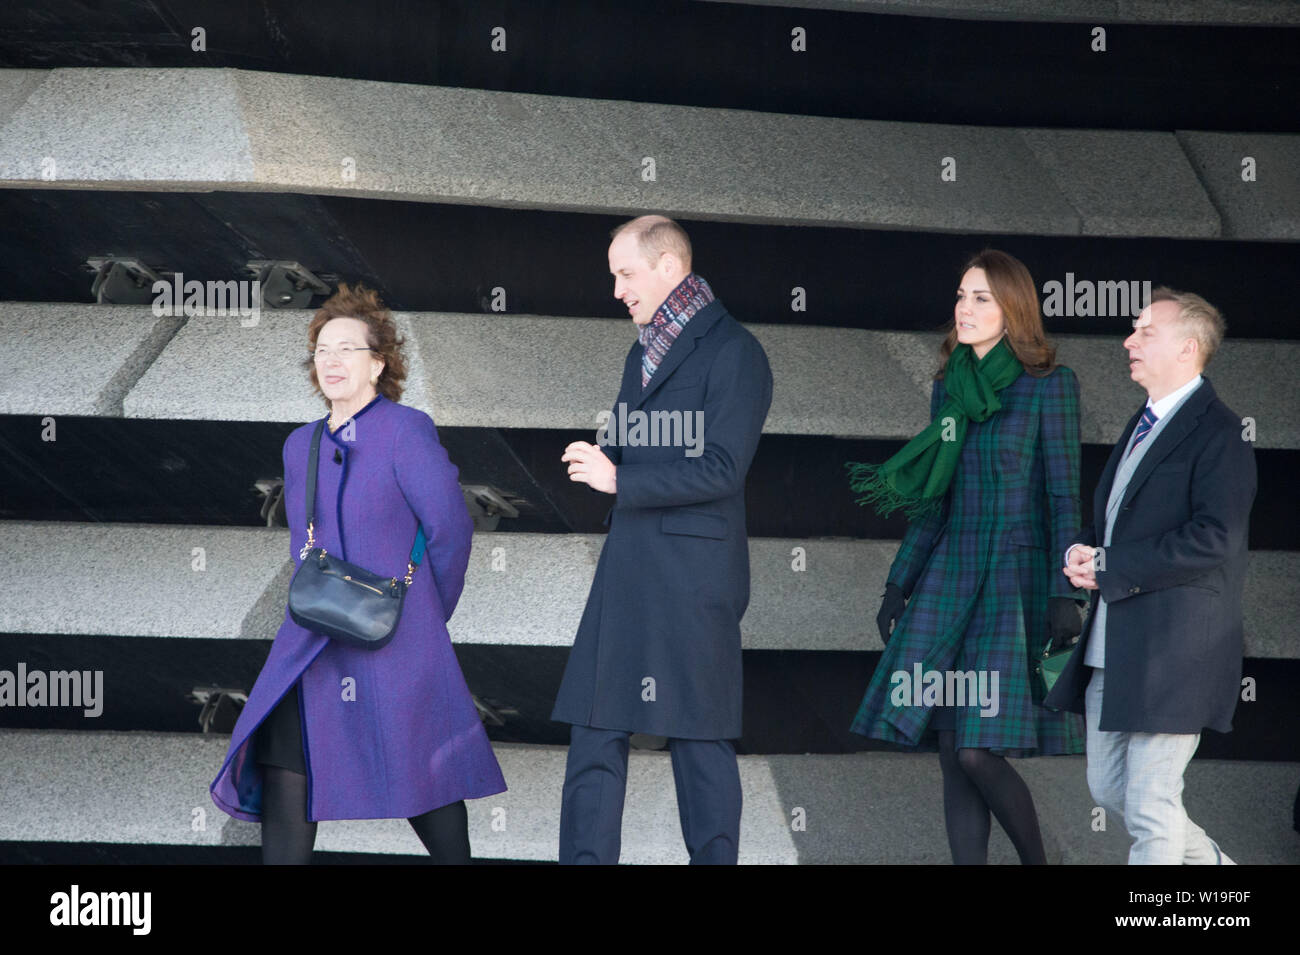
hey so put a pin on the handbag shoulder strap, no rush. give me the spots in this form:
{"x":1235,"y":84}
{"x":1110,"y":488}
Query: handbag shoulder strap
{"x":313,"y":461}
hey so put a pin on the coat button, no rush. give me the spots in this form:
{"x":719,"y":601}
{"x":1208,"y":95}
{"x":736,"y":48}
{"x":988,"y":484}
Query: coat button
{"x":1134,"y":590}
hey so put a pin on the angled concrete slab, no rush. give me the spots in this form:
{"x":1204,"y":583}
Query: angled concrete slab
{"x":530,"y":589}
{"x":15,"y":87}
{"x":520,"y":590}
{"x":250,"y":131}
{"x":1241,"y":373}
{"x":513,"y":149}
{"x":78,"y":359}
{"x":144,"y":580}
{"x":1125,"y":183}
{"x":233,"y":368}
{"x":830,"y":381}
{"x":255,"y":131}
{"x":1266,"y":206}
{"x":827,"y":381}
{"x":192,"y":138}
{"x":492,"y":363}
{"x":152,"y":789}
{"x":888,"y":808}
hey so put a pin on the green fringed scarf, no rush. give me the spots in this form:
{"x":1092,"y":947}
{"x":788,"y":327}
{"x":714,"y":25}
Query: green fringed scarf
{"x":917,"y":477}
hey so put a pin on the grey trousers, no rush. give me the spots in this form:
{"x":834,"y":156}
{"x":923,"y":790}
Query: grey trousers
{"x":1138,"y":778}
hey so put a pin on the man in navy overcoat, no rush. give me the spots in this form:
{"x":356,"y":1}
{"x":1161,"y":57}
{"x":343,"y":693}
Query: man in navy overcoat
{"x":658,"y":647}
{"x":1165,"y":558}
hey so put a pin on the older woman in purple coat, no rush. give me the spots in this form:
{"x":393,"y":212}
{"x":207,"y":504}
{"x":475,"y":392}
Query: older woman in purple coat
{"x":336,"y":732}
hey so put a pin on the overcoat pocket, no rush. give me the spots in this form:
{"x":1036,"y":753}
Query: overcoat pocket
{"x":694,"y":524}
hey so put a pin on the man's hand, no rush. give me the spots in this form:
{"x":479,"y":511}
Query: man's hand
{"x":1078,"y":568}
{"x":588,"y":463}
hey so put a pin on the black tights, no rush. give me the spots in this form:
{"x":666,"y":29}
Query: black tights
{"x":288,"y":838}
{"x":976,"y":781}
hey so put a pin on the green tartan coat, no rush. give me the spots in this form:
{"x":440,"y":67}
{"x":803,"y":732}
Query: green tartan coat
{"x":978,"y":574}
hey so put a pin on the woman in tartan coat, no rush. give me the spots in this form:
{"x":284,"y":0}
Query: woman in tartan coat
{"x":980,"y":565}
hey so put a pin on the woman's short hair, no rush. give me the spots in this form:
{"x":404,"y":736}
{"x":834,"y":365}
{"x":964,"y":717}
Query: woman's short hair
{"x":1013,"y":289}
{"x":364,"y":305}
{"x":1197,"y":319}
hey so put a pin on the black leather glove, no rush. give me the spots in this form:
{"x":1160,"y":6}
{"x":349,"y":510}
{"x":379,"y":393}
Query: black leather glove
{"x":891,"y":608}
{"x":1063,"y":623}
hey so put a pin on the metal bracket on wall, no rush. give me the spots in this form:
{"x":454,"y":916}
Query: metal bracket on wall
{"x":286,"y":284}
{"x":121,"y":280}
{"x":271,"y":491}
{"x":487,"y":506}
{"x":221,"y":706}
{"x":492,"y":712}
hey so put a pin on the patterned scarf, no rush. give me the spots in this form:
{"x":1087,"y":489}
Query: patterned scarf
{"x":668,"y":321}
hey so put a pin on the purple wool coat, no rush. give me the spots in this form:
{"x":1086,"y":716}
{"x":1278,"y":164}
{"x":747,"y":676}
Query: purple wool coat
{"x":388,"y":733}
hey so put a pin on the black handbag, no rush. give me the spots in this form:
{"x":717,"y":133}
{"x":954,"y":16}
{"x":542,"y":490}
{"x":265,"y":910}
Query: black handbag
{"x":341,"y":600}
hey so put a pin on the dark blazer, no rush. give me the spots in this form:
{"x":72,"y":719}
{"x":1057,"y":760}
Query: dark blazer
{"x":1173,"y":579}
{"x":672,"y":581}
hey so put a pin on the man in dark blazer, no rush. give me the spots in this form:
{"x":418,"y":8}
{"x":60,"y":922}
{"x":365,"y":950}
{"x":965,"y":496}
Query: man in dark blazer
{"x":1165,"y":557}
{"x":658,"y":647}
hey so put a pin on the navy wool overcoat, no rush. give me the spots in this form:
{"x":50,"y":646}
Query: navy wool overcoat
{"x":658,"y":647}
{"x":1174,"y":576}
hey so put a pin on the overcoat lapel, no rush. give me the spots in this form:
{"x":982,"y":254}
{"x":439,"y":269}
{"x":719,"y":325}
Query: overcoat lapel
{"x":700,"y":323}
{"x":1173,"y":434}
{"x":1165,"y":442}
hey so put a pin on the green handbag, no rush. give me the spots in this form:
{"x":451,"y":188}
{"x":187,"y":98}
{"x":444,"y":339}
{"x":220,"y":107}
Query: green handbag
{"x":1051,"y":665}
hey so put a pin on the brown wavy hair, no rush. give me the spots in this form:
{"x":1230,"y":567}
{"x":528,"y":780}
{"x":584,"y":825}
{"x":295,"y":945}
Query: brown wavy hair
{"x":1013,"y":289}
{"x":381,"y":335}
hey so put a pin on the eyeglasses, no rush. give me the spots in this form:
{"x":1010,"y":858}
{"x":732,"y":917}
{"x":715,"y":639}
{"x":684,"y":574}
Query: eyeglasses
{"x":343,"y":351}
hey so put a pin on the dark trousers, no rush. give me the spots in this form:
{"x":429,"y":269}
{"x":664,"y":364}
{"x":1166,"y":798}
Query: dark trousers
{"x":595,"y":780}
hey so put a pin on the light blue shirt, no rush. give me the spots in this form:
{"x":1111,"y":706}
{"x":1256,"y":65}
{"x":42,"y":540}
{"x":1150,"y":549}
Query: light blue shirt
{"x":1164,"y":410}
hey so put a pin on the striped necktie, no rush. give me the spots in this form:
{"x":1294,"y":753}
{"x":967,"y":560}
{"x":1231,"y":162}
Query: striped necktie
{"x":1144,"y":427}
